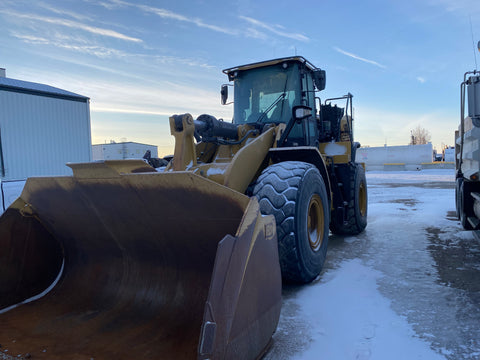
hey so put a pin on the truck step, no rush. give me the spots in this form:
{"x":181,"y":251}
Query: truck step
{"x":473,"y":221}
{"x":476,"y":234}
{"x":475,"y":195}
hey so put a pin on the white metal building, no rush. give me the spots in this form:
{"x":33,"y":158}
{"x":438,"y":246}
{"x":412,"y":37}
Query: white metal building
{"x":122,"y":150}
{"x":41,"y":129}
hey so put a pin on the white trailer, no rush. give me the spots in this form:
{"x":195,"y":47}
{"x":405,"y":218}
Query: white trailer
{"x":467,"y":154}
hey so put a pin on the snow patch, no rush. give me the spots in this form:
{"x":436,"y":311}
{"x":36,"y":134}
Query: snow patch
{"x":429,"y":175}
{"x":350,"y":319}
{"x":215,"y":171}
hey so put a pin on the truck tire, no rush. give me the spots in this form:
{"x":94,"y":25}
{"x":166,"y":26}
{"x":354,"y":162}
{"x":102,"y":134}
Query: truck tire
{"x":465,"y":205}
{"x":357,"y":205}
{"x":294,"y":192}
{"x":458,"y":206}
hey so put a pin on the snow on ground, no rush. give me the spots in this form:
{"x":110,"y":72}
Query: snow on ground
{"x":389,"y":293}
{"x":350,"y":319}
{"x":428,"y":176}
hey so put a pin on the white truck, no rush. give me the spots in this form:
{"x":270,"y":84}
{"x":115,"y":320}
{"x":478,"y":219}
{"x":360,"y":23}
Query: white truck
{"x":449,"y":154}
{"x":467,"y":154}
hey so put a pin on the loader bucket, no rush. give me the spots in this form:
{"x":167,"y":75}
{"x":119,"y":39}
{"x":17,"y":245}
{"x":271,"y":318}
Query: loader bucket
{"x":108,"y":265}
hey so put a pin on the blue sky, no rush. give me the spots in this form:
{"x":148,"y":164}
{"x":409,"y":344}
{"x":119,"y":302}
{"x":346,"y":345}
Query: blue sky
{"x":141,"y":61}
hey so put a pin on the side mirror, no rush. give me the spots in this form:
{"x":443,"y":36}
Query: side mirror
{"x":224,"y":94}
{"x":319,"y":79}
{"x":301,"y":112}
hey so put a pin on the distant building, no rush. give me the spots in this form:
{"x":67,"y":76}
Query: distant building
{"x":122,"y":150}
{"x":41,"y":129}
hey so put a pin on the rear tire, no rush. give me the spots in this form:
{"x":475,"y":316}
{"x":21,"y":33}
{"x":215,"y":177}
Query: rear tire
{"x":294,"y":192}
{"x":357,"y":204}
{"x":458,"y":204}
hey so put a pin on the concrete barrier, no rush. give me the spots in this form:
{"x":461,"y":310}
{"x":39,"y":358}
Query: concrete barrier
{"x":406,"y":157}
{"x":439,"y":165}
{"x":394,"y":167}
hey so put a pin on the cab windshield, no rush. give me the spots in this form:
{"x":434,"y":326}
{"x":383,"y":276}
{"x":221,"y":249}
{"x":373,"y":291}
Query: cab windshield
{"x":267,"y":94}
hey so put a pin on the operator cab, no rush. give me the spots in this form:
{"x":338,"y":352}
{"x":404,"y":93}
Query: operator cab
{"x":268,"y":92}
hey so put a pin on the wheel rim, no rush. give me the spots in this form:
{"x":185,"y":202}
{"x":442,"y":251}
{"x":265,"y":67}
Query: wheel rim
{"x":362,"y":199}
{"x":315,"y":222}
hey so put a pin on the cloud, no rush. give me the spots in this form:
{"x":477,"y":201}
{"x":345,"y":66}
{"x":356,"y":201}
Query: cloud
{"x":121,"y":97}
{"x":254,"y":33}
{"x":31,"y":39}
{"x":110,"y":5}
{"x":69,"y":43}
{"x":73,"y":25}
{"x":82,"y":45}
{"x":421,"y":79}
{"x":58,"y":11}
{"x":167,"y":14}
{"x":462,"y":7}
{"x":275,"y":29}
{"x":153,"y":67}
{"x":359,"y":58}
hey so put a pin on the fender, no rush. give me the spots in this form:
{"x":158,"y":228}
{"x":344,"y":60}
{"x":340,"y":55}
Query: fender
{"x":308,"y":154}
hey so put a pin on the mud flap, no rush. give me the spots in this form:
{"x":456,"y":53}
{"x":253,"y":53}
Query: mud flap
{"x":107,"y":265}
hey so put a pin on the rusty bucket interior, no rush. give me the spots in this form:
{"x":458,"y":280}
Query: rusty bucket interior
{"x":136,"y":266}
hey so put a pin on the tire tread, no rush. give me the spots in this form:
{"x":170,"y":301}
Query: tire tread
{"x":351,"y":226}
{"x":276,"y":190}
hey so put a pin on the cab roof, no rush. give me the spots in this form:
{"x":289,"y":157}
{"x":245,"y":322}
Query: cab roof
{"x":299,"y":59}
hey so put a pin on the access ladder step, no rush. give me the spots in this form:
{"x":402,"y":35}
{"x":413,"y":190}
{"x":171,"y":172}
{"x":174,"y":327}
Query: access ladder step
{"x":473,"y":221}
{"x":475,"y":195}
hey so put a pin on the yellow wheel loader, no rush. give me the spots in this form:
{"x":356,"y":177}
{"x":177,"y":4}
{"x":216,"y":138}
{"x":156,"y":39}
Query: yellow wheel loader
{"x":123,"y":261}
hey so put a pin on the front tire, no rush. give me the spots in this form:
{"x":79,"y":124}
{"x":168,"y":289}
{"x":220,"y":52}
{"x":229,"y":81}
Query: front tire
{"x":294,"y":192}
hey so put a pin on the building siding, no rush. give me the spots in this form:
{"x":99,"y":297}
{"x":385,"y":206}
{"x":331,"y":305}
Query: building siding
{"x":41,"y":134}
